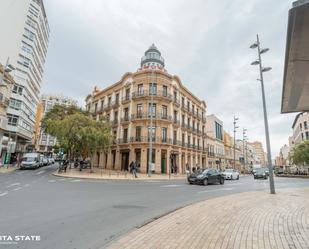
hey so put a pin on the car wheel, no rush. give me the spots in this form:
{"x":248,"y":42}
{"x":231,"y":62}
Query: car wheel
{"x":205,"y":182}
{"x":190,"y":183}
{"x":222,"y":181}
{"x":238,"y":177}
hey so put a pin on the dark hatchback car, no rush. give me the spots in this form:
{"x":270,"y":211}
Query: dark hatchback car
{"x":261,"y":173}
{"x":205,"y":177}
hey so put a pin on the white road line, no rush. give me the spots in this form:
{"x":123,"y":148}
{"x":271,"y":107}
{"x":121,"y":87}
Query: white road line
{"x":13,"y":184}
{"x":15,"y":189}
{"x":76,"y":180}
{"x":171,"y":186}
{"x":27,"y":185}
{"x":51,"y":180}
{"x":235,"y":183}
{"x":213,"y":190}
{"x":64,"y":179}
{"x":40,"y":172}
{"x":3,"y":194}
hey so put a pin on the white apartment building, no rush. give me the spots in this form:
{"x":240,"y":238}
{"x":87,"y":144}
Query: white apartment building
{"x":215,"y":141}
{"x":44,"y":141}
{"x":300,"y":128}
{"x":24,"y":40}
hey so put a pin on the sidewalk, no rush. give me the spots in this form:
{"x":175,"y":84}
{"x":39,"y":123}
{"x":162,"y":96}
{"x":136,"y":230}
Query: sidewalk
{"x":255,"y":220}
{"x":4,"y":169}
{"x":105,"y":174}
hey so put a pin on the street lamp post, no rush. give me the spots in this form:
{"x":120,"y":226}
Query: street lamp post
{"x":151,"y":121}
{"x":243,"y":145}
{"x":262,"y":70}
{"x":235,"y":127}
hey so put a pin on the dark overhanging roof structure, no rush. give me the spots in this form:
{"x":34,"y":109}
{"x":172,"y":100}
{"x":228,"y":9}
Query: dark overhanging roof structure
{"x":295,"y":93}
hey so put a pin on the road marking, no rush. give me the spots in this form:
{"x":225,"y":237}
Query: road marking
{"x":3,"y":194}
{"x":64,"y":179}
{"x":51,"y":180}
{"x":40,"y":172}
{"x":76,"y":180}
{"x":213,"y":190}
{"x":15,"y":189}
{"x":27,"y":185}
{"x":235,"y":183}
{"x":171,"y":186}
{"x":13,"y":184}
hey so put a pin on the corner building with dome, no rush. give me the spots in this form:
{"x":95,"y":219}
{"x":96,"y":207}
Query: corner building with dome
{"x":151,"y":108}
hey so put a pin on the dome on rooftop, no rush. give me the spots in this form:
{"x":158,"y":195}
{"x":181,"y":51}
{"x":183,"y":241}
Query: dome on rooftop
{"x":152,"y":59}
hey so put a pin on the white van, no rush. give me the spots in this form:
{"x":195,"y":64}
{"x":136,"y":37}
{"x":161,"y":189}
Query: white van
{"x":30,"y":161}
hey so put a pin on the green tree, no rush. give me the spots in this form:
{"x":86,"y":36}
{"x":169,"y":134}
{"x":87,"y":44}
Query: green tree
{"x":77,"y":132}
{"x":58,"y":112}
{"x":300,"y":155}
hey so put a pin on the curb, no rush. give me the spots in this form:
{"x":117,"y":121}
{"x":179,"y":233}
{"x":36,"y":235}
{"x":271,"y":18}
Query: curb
{"x":115,"y":179}
{"x":9,"y":170}
{"x":295,"y":176}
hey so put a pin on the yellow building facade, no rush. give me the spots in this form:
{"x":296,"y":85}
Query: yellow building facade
{"x":151,"y":109}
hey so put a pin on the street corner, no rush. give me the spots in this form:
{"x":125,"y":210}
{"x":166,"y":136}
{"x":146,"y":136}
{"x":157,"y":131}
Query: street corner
{"x":254,"y":220}
{"x":5,"y":169}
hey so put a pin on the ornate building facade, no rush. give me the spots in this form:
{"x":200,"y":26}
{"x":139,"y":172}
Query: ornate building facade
{"x":148,"y":109}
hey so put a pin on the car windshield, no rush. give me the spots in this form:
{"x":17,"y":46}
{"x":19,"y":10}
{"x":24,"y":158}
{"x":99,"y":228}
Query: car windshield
{"x":29,"y":159}
{"x":260,"y":170}
{"x":205,"y":171}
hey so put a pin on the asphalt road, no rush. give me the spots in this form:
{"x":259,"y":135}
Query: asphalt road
{"x":71,"y":213}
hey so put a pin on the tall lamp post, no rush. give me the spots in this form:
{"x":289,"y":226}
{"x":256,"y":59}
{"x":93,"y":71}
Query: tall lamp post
{"x":243,"y":145}
{"x":262,"y":70}
{"x":235,"y":127}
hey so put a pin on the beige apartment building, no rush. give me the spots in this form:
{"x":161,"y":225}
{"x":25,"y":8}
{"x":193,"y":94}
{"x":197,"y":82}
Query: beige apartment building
{"x":151,"y":108}
{"x":259,"y":151}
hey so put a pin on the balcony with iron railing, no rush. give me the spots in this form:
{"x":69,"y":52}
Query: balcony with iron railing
{"x":115,"y":104}
{"x":145,"y":115}
{"x":176,"y":102}
{"x":114,"y":122}
{"x":125,"y":99}
{"x":155,"y":94}
{"x":125,"y":119}
{"x":176,"y":122}
{"x":4,"y":101}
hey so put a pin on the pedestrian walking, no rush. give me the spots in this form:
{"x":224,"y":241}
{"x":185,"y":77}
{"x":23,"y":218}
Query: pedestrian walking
{"x":133,"y":168}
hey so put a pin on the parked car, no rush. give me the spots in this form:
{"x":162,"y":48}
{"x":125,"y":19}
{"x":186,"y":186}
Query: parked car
{"x":261,"y":173}
{"x":231,"y":174}
{"x":206,"y":176}
{"x":30,"y":161}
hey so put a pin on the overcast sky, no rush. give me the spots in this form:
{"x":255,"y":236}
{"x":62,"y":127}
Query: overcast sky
{"x":204,"y":42}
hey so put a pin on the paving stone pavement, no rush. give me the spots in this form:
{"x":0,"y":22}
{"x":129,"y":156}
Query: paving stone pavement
{"x":255,"y":220}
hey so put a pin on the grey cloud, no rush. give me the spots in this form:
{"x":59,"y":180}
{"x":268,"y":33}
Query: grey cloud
{"x":204,"y":42}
